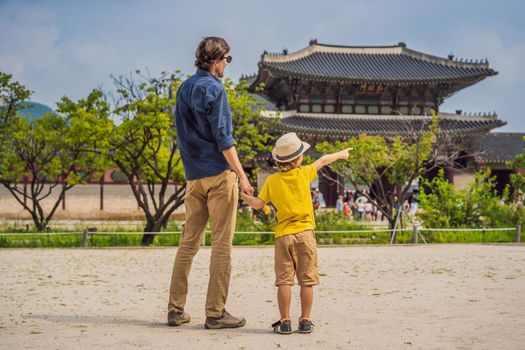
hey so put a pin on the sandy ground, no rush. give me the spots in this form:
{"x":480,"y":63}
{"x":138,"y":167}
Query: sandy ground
{"x":370,"y":297}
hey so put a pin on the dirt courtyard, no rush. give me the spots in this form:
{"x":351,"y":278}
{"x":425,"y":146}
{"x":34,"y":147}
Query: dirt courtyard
{"x":370,"y":297}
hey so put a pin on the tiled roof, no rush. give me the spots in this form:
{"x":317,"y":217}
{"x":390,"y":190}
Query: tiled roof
{"x":373,"y":64}
{"x":347,"y":125}
{"x":265,"y":103}
{"x":498,"y":147}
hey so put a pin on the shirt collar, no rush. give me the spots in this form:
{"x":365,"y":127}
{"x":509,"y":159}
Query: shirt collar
{"x":205,"y":72}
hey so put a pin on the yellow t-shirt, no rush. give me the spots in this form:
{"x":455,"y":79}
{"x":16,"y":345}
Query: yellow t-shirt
{"x":289,"y":192}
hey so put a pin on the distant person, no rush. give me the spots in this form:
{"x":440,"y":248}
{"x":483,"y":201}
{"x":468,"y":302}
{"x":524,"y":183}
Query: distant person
{"x":360,"y":204}
{"x":315,"y":198}
{"x":320,"y":197}
{"x":352,"y":205}
{"x":414,"y":202}
{"x":375,"y":209}
{"x":347,"y":211}
{"x":339,"y":204}
{"x":368,"y":211}
{"x":295,"y":244}
{"x":406,"y":206}
{"x":212,"y":168}
{"x":379,"y":215}
{"x":397,"y":205}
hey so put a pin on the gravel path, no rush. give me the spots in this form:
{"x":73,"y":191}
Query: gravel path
{"x":370,"y":297}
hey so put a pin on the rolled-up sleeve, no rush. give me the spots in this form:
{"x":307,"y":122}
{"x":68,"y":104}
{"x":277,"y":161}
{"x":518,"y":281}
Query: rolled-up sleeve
{"x":219,"y":118}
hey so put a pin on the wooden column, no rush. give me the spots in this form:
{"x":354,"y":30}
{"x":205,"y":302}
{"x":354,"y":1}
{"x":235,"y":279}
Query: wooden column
{"x":295,"y":93}
{"x":64,"y":194}
{"x":449,"y":173}
{"x":25,"y":190}
{"x":339,"y":98}
{"x":102,"y":192}
{"x":395,"y":100}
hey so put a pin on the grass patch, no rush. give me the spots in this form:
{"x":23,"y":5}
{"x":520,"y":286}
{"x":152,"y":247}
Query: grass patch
{"x":326,"y":221}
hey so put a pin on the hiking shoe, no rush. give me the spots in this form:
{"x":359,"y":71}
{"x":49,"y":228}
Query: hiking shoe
{"x":282,"y":327}
{"x":176,"y":318}
{"x":305,"y":326}
{"x":225,"y":321}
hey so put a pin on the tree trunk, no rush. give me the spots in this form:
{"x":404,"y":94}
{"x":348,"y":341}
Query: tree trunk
{"x":40,"y":224}
{"x":152,"y":225}
{"x":155,"y":223}
{"x":391,"y":224}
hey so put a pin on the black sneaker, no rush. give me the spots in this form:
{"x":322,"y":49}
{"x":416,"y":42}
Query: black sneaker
{"x":282,"y":327}
{"x":305,"y":326}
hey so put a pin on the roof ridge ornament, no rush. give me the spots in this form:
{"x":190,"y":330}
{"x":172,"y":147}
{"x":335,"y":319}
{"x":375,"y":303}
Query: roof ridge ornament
{"x":313,"y":41}
{"x":475,"y":115}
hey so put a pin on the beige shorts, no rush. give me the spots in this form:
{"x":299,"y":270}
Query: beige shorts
{"x":296,"y":254}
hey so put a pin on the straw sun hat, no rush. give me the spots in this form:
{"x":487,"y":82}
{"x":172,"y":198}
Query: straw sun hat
{"x":288,"y":147}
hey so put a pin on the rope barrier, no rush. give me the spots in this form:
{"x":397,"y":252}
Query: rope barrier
{"x":251,"y":232}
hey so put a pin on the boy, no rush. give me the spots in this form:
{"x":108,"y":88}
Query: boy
{"x":295,"y":245}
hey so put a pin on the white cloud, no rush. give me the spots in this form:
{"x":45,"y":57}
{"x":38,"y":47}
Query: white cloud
{"x":345,"y":21}
{"x":29,"y":38}
{"x":506,"y":59}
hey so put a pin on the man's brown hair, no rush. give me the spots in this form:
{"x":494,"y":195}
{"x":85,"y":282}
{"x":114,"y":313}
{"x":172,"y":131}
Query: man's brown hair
{"x":210,"y":49}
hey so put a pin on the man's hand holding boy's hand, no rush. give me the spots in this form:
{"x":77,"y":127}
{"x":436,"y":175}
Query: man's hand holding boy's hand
{"x":244,"y":183}
{"x":253,"y":202}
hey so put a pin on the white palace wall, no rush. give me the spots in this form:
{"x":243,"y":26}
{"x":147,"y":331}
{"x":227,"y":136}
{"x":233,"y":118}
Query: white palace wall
{"x":83,"y":202}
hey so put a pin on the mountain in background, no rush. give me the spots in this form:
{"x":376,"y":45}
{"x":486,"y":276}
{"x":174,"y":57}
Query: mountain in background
{"x":34,"y":110}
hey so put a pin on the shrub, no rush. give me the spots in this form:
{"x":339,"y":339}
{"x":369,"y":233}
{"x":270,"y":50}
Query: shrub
{"x":477,"y":206}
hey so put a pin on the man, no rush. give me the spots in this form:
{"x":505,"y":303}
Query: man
{"x":212,"y":168}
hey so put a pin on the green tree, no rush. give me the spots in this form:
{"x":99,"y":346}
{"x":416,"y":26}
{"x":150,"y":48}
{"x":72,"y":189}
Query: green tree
{"x":480,"y":201}
{"x":144,"y":146}
{"x":441,"y":207}
{"x":517,"y":180}
{"x":389,"y":166}
{"x":54,"y":153}
{"x":478,"y":205}
{"x":251,"y":132}
{"x":12,"y":97}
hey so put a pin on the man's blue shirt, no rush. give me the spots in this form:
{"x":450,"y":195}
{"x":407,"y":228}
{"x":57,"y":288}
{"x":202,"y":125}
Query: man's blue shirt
{"x":204,"y":125}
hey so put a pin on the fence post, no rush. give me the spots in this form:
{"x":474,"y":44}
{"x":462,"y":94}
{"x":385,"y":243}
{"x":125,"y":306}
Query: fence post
{"x":518,"y":233}
{"x":85,"y":238}
{"x":414,"y":234}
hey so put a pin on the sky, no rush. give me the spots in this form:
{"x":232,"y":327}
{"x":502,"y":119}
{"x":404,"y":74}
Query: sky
{"x":69,"y":47}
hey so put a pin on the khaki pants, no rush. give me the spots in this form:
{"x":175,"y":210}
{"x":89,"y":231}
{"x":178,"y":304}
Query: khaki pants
{"x":214,"y":197}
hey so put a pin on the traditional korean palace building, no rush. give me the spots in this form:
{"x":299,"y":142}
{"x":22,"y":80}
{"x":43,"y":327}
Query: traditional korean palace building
{"x":328,"y":92}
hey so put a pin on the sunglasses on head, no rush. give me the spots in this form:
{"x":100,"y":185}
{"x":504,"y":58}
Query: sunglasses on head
{"x":228,"y":58}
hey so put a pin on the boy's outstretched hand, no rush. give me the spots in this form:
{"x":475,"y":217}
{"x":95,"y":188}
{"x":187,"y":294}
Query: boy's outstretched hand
{"x":330,"y":158}
{"x":344,"y":153}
